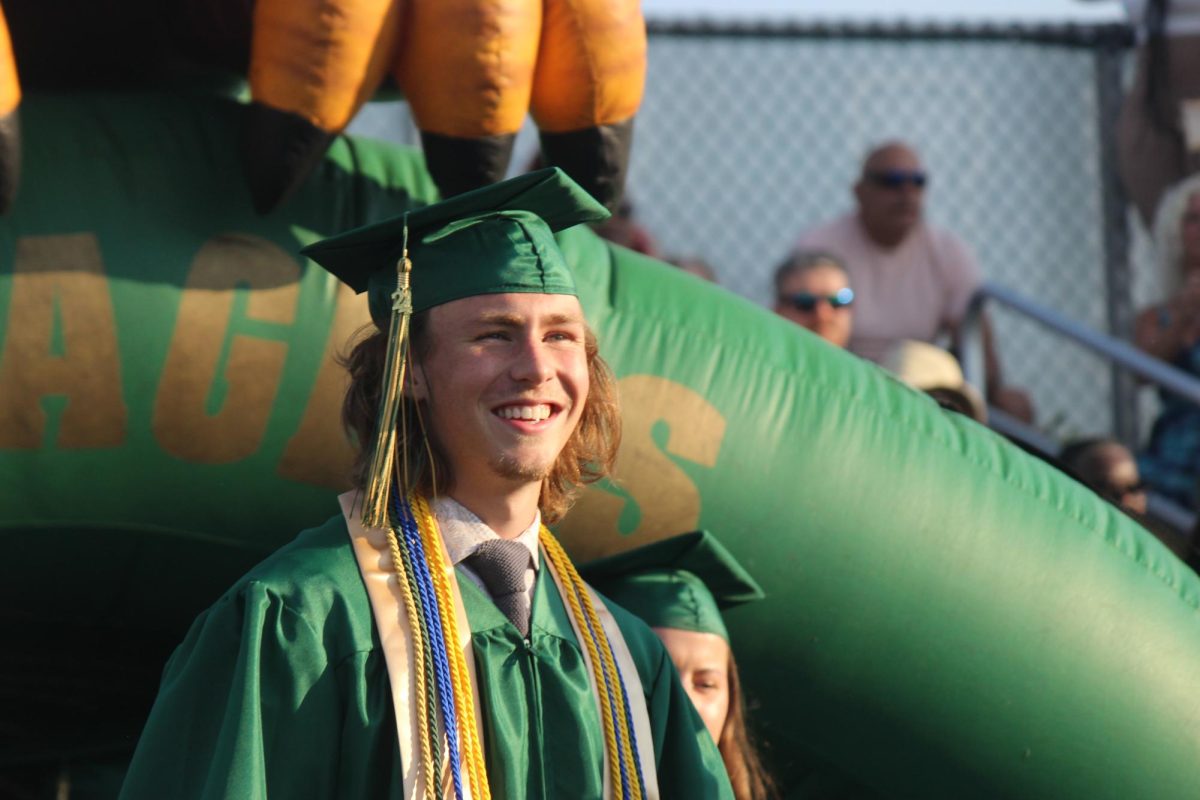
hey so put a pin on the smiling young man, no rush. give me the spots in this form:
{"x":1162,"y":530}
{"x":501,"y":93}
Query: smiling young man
{"x":434,"y":640}
{"x":506,"y":381}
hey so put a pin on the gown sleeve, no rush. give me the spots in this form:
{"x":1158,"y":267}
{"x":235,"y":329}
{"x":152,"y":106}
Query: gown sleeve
{"x":248,"y":701}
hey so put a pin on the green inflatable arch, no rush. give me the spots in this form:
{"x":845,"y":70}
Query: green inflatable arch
{"x":946,"y":616}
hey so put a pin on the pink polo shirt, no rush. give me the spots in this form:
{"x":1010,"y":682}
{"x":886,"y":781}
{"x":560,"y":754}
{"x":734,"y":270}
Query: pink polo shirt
{"x":912,"y":291}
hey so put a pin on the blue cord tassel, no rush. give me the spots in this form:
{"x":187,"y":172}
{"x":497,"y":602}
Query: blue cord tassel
{"x":432,"y":627}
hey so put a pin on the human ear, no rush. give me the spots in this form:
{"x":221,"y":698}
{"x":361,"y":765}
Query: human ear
{"x":416,"y":387}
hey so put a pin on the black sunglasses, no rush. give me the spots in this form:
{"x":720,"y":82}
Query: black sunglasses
{"x":807,"y":301}
{"x":898,"y":178}
{"x":1121,"y":492}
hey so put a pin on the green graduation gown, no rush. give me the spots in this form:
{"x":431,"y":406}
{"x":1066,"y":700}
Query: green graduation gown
{"x":280,"y":689}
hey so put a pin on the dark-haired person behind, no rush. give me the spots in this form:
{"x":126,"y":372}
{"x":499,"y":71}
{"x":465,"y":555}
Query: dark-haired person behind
{"x":1108,"y":468}
{"x":679,"y":586}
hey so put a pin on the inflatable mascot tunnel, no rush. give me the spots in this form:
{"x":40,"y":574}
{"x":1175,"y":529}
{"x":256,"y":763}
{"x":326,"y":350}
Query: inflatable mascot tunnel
{"x":945,"y":617}
{"x":471,"y":71}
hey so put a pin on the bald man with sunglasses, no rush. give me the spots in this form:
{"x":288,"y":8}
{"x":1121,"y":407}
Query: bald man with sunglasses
{"x":911,"y":279}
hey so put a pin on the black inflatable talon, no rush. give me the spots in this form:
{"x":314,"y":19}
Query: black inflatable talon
{"x":597,"y":158}
{"x":279,"y":150}
{"x":458,"y":164}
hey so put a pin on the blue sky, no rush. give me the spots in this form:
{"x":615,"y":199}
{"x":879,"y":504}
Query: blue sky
{"x":884,"y":10}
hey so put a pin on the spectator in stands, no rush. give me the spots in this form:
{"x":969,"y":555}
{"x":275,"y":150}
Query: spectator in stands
{"x":1107,"y":467}
{"x":621,"y":228}
{"x":932,"y":370}
{"x":695,"y":265}
{"x":1158,"y":134}
{"x":911,"y":280}
{"x":1170,"y":330}
{"x":1177,"y":245}
{"x":813,"y":290}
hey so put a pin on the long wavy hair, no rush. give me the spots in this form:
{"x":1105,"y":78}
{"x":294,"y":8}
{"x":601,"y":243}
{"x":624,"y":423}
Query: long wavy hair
{"x":587,"y":456}
{"x":747,"y":775}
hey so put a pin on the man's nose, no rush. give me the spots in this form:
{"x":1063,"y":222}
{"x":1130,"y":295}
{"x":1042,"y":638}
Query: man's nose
{"x":532,"y":363}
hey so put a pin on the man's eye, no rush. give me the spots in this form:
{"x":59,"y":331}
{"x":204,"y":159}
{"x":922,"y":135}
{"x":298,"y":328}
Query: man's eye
{"x":491,"y":335}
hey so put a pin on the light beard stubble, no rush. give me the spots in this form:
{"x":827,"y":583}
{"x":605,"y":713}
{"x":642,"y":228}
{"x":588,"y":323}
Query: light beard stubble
{"x":512,"y":469}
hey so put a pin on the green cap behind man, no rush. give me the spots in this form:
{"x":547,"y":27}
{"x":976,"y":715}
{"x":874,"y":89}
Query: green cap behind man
{"x":683,"y":582}
{"x":492,"y":240}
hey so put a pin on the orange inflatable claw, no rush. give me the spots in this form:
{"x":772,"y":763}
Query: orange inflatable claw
{"x":321,"y":59}
{"x":10,"y":129}
{"x":591,"y":67}
{"x":313,"y":63}
{"x":471,"y":71}
{"x":466,"y":66}
{"x":587,"y":87}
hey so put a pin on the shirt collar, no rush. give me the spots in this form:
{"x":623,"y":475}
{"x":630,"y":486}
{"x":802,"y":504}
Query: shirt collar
{"x":463,"y":531}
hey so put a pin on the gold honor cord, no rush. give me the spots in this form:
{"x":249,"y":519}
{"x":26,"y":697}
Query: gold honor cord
{"x":428,"y":760}
{"x":470,"y":749}
{"x":618,"y":737}
{"x":621,"y":754}
{"x":383,"y":454}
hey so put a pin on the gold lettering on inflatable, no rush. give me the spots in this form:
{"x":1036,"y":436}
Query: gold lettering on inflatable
{"x":222,"y":370}
{"x":664,"y":497}
{"x":319,"y":452}
{"x":61,"y":340}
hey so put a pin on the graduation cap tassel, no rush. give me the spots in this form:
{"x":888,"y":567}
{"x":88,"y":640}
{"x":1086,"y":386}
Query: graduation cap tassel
{"x":383,"y":455}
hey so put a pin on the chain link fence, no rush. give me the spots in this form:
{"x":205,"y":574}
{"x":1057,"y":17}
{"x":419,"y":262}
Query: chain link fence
{"x":750,"y":135}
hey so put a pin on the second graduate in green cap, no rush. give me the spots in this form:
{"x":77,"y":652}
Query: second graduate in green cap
{"x":680,"y":586}
{"x":434,"y":640}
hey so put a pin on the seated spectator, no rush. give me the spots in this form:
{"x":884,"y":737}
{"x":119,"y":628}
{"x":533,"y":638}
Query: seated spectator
{"x":1158,"y":137}
{"x":813,"y":290}
{"x":696,"y":266}
{"x":1170,"y":330}
{"x":911,"y":280}
{"x":934,"y":371}
{"x":678,"y":586}
{"x":1107,"y":467}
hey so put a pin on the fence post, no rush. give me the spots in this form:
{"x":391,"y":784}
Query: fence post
{"x":1109,"y":56}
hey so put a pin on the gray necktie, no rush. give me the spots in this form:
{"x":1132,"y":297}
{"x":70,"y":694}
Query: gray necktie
{"x":501,"y":564}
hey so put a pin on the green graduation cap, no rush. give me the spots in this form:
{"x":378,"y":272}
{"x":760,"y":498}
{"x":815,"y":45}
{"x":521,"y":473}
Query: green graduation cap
{"x":683,"y":582}
{"x":493,"y":240}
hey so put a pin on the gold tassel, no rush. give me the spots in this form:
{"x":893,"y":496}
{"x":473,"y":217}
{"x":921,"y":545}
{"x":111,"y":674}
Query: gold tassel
{"x":379,"y":478}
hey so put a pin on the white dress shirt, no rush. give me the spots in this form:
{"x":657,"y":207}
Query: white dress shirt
{"x":463,"y":533}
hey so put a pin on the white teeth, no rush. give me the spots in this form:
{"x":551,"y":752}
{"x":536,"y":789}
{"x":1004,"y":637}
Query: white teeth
{"x":530,"y":413}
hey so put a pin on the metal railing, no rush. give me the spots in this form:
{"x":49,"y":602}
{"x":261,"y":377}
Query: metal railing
{"x":1116,"y":352}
